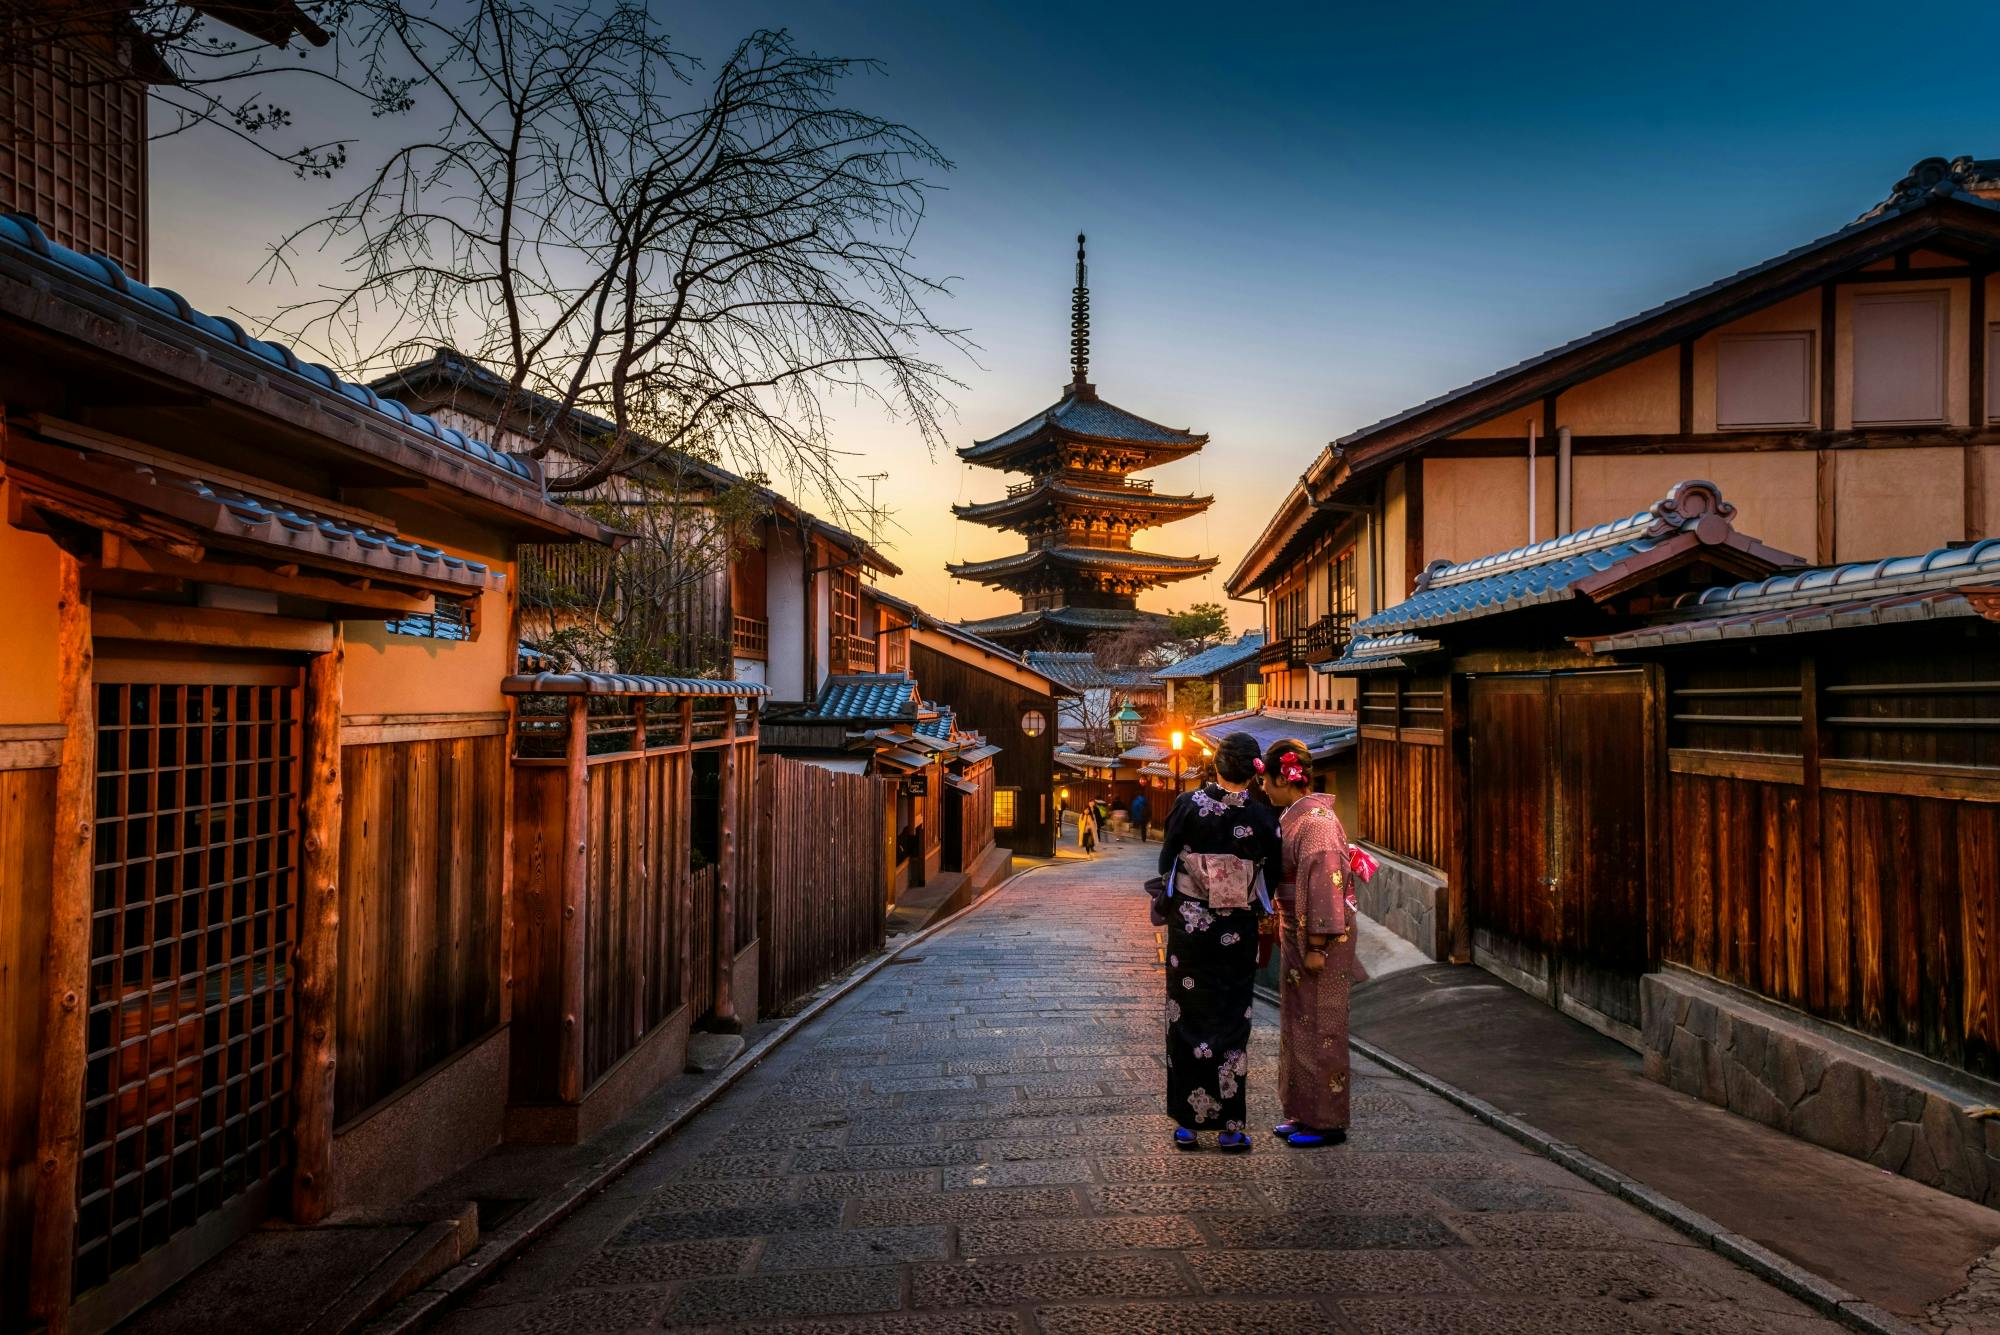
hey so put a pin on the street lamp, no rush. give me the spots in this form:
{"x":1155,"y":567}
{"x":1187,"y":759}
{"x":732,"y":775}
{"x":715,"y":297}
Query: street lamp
{"x":1178,"y":739}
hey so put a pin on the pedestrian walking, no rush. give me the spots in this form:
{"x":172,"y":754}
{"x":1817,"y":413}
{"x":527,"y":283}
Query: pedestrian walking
{"x":1087,"y":830}
{"x":1316,"y":964}
{"x":1218,"y":852}
{"x":1141,"y":811}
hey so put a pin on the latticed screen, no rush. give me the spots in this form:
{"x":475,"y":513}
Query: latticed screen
{"x":72,"y":154}
{"x":187,"y":1076}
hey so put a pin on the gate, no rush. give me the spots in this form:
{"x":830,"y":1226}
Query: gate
{"x":187,"y":1073}
{"x":1561,"y":776}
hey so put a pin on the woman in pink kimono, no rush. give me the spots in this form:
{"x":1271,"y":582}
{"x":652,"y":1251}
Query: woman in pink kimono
{"x":1316,"y":953}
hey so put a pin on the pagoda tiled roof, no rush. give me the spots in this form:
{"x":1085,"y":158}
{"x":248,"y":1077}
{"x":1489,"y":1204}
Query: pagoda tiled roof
{"x":1080,"y":671}
{"x":1085,"y":558}
{"x":1078,"y":620}
{"x":1081,"y":415}
{"x":1056,"y":489}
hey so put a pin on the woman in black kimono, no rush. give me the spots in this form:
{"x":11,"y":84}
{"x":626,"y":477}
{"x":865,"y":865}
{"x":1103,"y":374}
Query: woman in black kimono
{"x":1211,"y":950}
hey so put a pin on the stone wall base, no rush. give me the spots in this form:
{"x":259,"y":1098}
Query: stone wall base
{"x":1408,"y":898}
{"x":1822,"y":1084}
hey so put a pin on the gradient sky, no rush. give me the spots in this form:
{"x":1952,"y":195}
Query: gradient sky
{"x":1301,"y":219}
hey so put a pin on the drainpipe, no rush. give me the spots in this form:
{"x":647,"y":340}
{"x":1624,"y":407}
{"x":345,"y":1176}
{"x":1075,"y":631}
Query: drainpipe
{"x":1534,"y":431}
{"x":1565,"y":521}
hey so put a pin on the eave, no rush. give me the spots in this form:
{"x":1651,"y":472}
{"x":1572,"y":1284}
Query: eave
{"x":1085,"y":559}
{"x":1057,"y":495}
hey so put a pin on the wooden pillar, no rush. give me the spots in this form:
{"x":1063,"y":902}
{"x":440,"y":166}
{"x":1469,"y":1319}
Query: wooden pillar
{"x":316,"y":961}
{"x":677,"y":826}
{"x":725,"y":887}
{"x":576,"y":804}
{"x":67,"y":976}
{"x":1458,"y":826}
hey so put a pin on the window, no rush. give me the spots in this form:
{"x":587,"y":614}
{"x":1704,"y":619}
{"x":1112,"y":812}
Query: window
{"x":1005,"y":802}
{"x":1899,"y":358}
{"x":1253,"y":693}
{"x":846,"y":603}
{"x":1340,"y":584}
{"x":450,"y":621}
{"x":1764,"y":380}
{"x":1034,"y":722}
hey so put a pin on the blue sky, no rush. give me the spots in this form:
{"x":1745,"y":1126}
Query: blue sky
{"x":1301,"y":218}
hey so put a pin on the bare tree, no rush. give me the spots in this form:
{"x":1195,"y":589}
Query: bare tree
{"x":703,"y":261}
{"x":219,"y":64}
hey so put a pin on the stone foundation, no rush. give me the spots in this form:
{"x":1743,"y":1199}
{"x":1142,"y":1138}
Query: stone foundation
{"x":1822,"y":1084}
{"x":1407,"y":898}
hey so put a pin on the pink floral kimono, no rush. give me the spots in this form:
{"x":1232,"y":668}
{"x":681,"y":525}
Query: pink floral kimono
{"x":1314,"y":900}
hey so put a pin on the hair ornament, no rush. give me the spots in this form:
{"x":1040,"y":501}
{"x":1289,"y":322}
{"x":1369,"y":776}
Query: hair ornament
{"x":1258,"y":764}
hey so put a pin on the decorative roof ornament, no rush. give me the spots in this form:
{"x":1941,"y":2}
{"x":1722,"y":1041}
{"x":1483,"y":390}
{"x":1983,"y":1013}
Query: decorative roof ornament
{"x":1079,"y":323}
{"x":1931,"y":177}
{"x":1696,"y":504}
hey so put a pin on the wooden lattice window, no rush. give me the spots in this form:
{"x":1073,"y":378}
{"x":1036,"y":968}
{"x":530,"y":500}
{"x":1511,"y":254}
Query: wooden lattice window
{"x":73,"y":154}
{"x":846,"y":604}
{"x":187,"y":1077}
{"x":1340,"y":594}
{"x":1748,"y":706}
{"x":1006,"y":804}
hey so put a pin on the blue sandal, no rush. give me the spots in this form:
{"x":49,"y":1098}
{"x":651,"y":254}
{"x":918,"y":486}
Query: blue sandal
{"x":1291,"y":1126}
{"x":1306,"y":1138}
{"x":1233,"y":1142}
{"x":1185,"y":1139}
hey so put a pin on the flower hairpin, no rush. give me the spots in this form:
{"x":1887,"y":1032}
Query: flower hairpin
{"x":1290,"y":770}
{"x":1258,"y":764}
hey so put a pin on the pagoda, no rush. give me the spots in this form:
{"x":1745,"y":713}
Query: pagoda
{"x":1080,"y":576}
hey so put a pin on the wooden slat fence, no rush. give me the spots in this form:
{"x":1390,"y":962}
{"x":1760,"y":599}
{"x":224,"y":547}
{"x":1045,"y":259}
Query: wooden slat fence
{"x":1400,"y":797}
{"x":826,"y":858}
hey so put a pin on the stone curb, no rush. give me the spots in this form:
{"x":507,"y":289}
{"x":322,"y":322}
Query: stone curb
{"x":1809,"y":1288}
{"x":535,"y":1220}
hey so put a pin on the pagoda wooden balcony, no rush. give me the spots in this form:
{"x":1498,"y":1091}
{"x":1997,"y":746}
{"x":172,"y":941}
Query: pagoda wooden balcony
{"x":751,"y":636}
{"x":1327,"y":638}
{"x":1096,"y":481}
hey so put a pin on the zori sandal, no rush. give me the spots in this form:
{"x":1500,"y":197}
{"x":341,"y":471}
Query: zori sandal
{"x":1233,"y":1142}
{"x":1185,"y":1139}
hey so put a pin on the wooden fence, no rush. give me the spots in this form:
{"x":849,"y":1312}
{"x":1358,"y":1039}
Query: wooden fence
{"x":826,"y":846}
{"x":630,"y":847}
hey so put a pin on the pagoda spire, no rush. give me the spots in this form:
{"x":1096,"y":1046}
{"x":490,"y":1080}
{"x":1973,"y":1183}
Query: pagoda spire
{"x":1079,"y":323}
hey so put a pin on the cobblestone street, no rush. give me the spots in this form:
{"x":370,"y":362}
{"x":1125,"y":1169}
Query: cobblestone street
{"x":972,"y":1142}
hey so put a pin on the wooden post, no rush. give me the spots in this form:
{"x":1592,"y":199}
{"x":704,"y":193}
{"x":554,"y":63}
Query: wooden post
{"x":316,"y":961}
{"x":67,"y":975}
{"x":725,"y":888}
{"x":1458,"y":825}
{"x":576,"y":805}
{"x":677,"y":828}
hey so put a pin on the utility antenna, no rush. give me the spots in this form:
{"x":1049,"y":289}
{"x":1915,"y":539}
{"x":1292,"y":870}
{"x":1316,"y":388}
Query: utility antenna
{"x":874,"y":511}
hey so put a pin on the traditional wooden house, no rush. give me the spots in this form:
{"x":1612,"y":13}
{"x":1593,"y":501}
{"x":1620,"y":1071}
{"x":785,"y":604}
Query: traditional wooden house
{"x":1226,"y":678}
{"x":254,"y":785}
{"x":1734,"y":812}
{"x":767,"y":592}
{"x":1843,"y":394}
{"x":995,"y":693}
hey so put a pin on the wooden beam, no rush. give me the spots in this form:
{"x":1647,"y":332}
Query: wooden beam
{"x":360,"y":592}
{"x":576,"y":897}
{"x":1810,"y":752}
{"x":1977,"y":409}
{"x":67,"y":971}
{"x":31,"y":745}
{"x":377,"y":729}
{"x":1829,"y":318}
{"x":166,"y":623}
{"x":1413,"y":524}
{"x":316,"y":962}
{"x":1687,"y":386}
{"x":726,"y":876}
{"x":1456,"y":761}
{"x":1826,"y":474}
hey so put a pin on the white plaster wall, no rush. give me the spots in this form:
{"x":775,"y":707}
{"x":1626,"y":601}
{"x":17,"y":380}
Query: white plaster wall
{"x":784,"y":593}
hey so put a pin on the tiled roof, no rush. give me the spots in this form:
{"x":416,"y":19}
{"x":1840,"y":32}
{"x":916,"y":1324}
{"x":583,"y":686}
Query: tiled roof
{"x":1083,"y":558}
{"x":1086,"y":415}
{"x":865,"y":695}
{"x":1080,"y":671}
{"x":938,"y":728}
{"x":1548,"y":572}
{"x":1153,"y":507}
{"x":1145,"y":751}
{"x":20,"y":232}
{"x":1375,"y":653}
{"x":1321,"y":736}
{"x":1215,"y":660}
{"x":1858,"y":594}
{"x":1065,"y":618}
{"x":621,"y":683}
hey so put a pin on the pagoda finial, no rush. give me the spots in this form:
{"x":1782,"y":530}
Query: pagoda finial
{"x":1079,"y":323}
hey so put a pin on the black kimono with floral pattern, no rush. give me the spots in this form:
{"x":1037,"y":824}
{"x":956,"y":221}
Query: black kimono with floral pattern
{"x":1212,"y":959}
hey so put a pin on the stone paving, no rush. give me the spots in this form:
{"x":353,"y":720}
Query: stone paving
{"x":971,"y":1142}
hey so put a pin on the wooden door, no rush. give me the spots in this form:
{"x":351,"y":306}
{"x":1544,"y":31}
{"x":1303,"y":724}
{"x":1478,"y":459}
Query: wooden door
{"x":1509,"y":892}
{"x":1559,"y":795}
{"x":188,"y":1080}
{"x":1603,"y":790}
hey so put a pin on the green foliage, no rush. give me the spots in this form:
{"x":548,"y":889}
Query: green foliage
{"x":1202,"y":626}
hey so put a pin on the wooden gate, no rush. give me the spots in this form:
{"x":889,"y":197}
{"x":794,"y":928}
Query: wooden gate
{"x":187,"y":1065}
{"x":1560,"y":795}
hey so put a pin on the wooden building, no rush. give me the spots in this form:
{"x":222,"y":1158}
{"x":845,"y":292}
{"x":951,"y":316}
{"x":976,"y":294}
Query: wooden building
{"x":254,"y":785}
{"x":780,"y":602}
{"x":1843,"y":394}
{"x":1227,"y":679}
{"x":1735,"y":812}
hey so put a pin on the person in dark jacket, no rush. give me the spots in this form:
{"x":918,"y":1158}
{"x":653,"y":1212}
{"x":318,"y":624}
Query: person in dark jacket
{"x":1212,"y":949}
{"x":1140,"y":813}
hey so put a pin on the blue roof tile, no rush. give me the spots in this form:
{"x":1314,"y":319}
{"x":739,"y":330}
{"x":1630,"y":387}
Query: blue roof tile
{"x":1218,"y":659}
{"x":866,"y":695}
